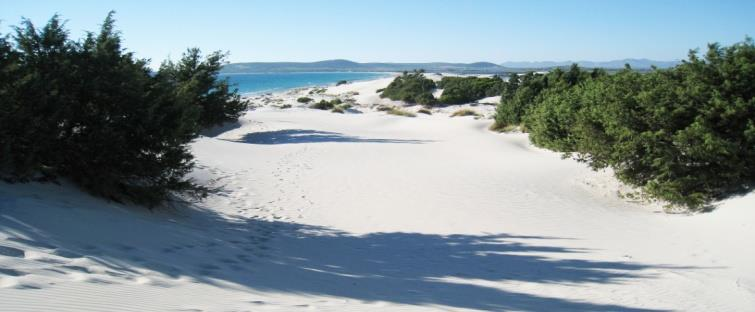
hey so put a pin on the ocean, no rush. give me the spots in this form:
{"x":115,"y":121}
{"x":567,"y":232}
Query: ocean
{"x":255,"y":83}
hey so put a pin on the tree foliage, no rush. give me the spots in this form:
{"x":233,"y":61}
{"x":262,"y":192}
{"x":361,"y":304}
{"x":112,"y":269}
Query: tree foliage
{"x":196,"y":80}
{"x":685,"y":134}
{"x":412,"y":88}
{"x":91,"y":112}
{"x":521,"y":93}
{"x":459,"y":90}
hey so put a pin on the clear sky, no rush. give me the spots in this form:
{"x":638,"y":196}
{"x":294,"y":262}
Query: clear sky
{"x":406,"y":30}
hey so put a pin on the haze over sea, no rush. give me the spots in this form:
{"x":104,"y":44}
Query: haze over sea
{"x":255,"y":83}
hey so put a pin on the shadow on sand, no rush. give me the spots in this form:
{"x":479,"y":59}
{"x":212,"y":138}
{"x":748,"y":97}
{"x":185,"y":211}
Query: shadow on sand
{"x":405,"y":268}
{"x":293,"y":136}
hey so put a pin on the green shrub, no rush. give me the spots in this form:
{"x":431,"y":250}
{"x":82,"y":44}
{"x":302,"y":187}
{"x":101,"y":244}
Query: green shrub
{"x":304,"y":99}
{"x":686,"y":134}
{"x":317,"y":91}
{"x":325,"y":105}
{"x":92,"y":113}
{"x":411,"y":88}
{"x":460,"y":90}
{"x":341,"y":82}
{"x":521,"y":93}
{"x":425,"y":111}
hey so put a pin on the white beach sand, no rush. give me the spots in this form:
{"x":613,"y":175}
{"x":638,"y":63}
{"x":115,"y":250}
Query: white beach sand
{"x":365,"y":211}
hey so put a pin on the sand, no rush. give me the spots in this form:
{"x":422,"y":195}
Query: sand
{"x":364,"y":211}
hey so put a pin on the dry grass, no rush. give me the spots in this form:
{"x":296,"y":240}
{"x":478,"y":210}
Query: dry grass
{"x":400,"y":112}
{"x":498,"y":128}
{"x":465,"y":112}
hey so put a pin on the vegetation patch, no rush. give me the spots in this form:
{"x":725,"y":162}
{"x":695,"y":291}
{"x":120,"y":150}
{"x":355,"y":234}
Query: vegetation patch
{"x":400,"y":112}
{"x":684,"y":134}
{"x":425,"y":111}
{"x":90,"y":112}
{"x":412,"y":88}
{"x":326,"y":105}
{"x":317,"y":91}
{"x":465,"y":112}
{"x":304,"y":99}
{"x":460,"y":90}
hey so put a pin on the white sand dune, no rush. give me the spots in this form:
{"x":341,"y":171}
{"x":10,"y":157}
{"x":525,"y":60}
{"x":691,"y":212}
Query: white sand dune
{"x":371,"y":212}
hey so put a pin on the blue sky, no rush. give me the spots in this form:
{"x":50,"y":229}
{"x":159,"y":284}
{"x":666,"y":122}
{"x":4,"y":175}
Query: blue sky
{"x":406,"y":30}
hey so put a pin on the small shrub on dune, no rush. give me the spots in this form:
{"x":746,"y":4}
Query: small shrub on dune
{"x":342,"y":82}
{"x":502,"y":128}
{"x":338,"y":109}
{"x":304,"y":99}
{"x":323,"y":104}
{"x":326,"y":105}
{"x":400,"y":112}
{"x":425,"y":111}
{"x":465,"y":112}
{"x":317,"y":91}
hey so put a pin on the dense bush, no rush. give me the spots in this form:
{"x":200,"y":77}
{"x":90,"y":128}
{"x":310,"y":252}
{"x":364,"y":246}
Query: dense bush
{"x":196,"y":80}
{"x":94,"y":114}
{"x":520,"y":93}
{"x":412,"y":88}
{"x":685,"y":134}
{"x":459,"y":90}
{"x":304,"y":99}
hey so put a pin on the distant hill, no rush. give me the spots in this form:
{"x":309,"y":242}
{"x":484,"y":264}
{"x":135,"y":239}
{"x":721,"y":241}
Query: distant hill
{"x":462,"y":68}
{"x":635,"y":63}
{"x":346,"y":66}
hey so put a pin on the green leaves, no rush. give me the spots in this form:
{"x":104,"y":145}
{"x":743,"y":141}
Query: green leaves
{"x":92,"y":113}
{"x":196,"y":81}
{"x":460,"y":90}
{"x":411,"y":88}
{"x":684,"y":134}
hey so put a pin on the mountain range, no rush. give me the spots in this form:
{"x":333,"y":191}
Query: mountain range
{"x":468,"y":68}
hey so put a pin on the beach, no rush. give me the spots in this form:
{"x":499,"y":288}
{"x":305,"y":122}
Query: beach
{"x":365,"y":211}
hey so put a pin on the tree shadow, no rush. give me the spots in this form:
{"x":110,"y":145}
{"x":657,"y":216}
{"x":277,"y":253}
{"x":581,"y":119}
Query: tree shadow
{"x":294,"y":136}
{"x":397,"y":267}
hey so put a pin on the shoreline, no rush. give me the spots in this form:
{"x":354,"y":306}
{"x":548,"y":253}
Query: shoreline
{"x":271,"y":90}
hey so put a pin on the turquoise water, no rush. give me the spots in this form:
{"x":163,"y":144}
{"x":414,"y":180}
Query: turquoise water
{"x":273,"y":82}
